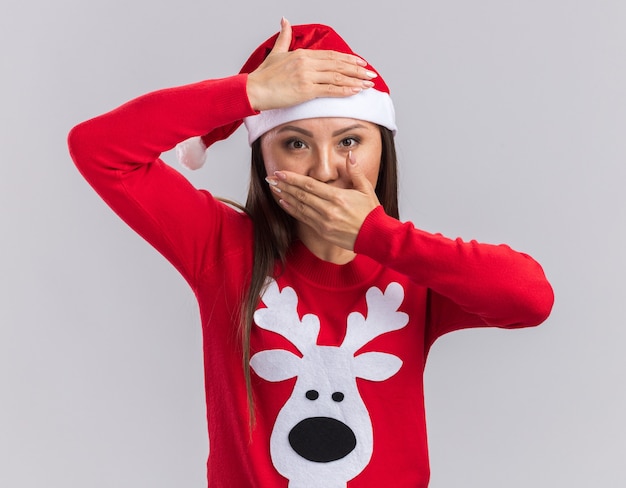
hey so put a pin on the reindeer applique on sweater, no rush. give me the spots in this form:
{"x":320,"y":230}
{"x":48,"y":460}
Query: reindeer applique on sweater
{"x":323,"y":434}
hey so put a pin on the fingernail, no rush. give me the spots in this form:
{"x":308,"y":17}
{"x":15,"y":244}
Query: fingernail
{"x":357,"y":90}
{"x":273,"y":184}
{"x":280,"y":175}
{"x":371,"y":74}
{"x":351,"y":159}
{"x":361,"y":62}
{"x":283,"y":21}
{"x":368,"y":84}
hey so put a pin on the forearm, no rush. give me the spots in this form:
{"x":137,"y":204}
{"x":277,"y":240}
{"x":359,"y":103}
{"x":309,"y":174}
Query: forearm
{"x":493,"y":282}
{"x":141,"y":129}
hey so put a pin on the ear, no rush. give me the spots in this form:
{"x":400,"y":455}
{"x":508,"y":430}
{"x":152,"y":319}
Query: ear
{"x":275,"y":365}
{"x":376,"y":366}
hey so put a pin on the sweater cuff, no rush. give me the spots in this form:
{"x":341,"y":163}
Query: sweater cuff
{"x":232,"y":103}
{"x":376,"y":233}
{"x":241,"y":81}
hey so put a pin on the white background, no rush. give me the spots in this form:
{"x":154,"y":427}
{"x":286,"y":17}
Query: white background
{"x":512,"y":119}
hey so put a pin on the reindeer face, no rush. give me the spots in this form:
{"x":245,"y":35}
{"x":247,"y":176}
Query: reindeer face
{"x":323,"y":433}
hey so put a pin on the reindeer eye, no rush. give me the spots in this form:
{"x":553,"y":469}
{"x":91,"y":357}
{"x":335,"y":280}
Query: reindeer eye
{"x":312,"y":395}
{"x":338,"y":396}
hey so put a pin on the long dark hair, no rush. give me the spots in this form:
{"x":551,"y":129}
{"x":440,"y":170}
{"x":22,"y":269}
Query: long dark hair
{"x":275,"y":230}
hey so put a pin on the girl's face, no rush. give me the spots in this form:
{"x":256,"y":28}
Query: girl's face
{"x":319,"y":147}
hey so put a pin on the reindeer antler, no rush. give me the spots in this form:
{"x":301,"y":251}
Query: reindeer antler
{"x":382,"y":317}
{"x":281,"y":316}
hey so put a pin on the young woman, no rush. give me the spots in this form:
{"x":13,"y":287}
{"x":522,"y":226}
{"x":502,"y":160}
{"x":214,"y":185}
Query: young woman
{"x":318,"y":305}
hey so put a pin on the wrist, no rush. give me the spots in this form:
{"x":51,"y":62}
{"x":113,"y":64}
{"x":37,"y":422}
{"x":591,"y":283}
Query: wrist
{"x":252,"y":90}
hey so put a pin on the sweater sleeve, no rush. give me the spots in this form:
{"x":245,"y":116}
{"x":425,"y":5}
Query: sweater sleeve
{"x":118,"y":153}
{"x":469,"y":284}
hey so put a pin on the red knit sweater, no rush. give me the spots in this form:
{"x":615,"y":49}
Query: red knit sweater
{"x":338,"y":351}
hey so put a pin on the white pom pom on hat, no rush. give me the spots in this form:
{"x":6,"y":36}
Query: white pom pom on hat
{"x":372,"y":105}
{"x":191,"y":153}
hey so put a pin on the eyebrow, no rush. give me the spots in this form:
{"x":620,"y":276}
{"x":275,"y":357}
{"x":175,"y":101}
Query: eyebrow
{"x":352,"y":127}
{"x":310,"y":134}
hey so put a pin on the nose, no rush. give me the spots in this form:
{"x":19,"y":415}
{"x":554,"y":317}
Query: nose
{"x":322,"y":439}
{"x":326,"y":165}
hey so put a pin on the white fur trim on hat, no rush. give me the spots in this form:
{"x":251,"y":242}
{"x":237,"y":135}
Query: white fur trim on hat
{"x":370,"y":105}
{"x":191,"y":153}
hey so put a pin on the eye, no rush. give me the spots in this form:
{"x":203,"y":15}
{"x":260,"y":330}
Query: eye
{"x":312,"y":395}
{"x":338,"y":396}
{"x":349,"y":142}
{"x":294,"y":143}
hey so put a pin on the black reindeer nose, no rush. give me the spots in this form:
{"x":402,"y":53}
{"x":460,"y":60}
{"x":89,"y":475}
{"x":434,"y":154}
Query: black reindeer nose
{"x":322,"y":439}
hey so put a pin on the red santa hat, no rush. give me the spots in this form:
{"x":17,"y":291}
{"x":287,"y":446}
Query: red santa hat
{"x":372,"y":105}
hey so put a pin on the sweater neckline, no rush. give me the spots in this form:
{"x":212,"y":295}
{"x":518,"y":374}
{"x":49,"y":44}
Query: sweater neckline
{"x":301,"y":261}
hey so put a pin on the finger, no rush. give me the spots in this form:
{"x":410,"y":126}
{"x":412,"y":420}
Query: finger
{"x":334,"y":91}
{"x":308,"y":200}
{"x":338,"y":74}
{"x":359,"y":180}
{"x":327,"y":70}
{"x":302,"y":204}
{"x":343,"y":70}
{"x":284,"y":37}
{"x":301,"y":210}
{"x":337,"y":84}
{"x":295,"y":212}
{"x":336,"y":56}
{"x":300,"y":186}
